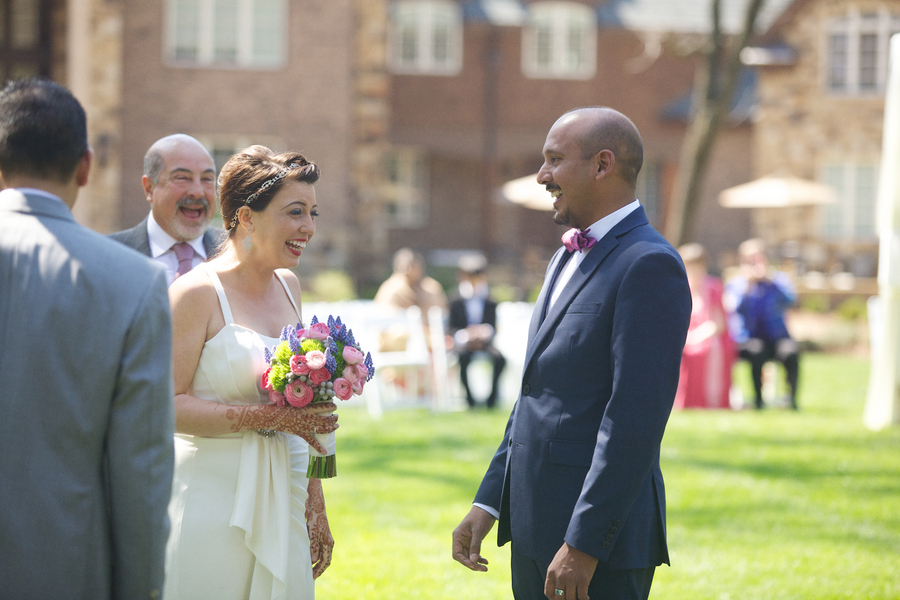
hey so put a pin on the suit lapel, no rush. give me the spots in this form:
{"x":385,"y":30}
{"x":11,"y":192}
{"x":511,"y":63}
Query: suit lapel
{"x":539,"y":329}
{"x":537,"y":315}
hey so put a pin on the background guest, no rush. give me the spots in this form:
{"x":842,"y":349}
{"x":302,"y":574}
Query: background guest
{"x":472,"y":324}
{"x":180,"y":184}
{"x":760,"y":299}
{"x":708,"y":356}
{"x":409,"y":286}
{"x":85,"y":374}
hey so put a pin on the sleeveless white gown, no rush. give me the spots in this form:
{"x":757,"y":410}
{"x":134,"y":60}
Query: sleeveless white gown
{"x":238,"y":525}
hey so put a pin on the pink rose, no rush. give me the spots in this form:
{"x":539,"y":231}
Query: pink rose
{"x":363,"y":371}
{"x":342,"y":388}
{"x":350,"y":373}
{"x":358,"y":387}
{"x":319,"y":331}
{"x":315,"y":359}
{"x":298,"y":394}
{"x":277,"y":398}
{"x":352,"y":356}
{"x":298,"y":365}
{"x":264,"y":382}
{"x":301,"y":334}
{"x":318,"y":376}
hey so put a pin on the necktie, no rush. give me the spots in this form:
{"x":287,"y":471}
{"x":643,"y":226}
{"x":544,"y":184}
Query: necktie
{"x":185,"y":255}
{"x":577,"y":240}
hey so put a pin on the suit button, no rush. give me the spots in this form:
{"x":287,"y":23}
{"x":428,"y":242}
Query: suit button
{"x":610,"y":537}
{"x":606,"y":544}
{"x":617,"y":522}
{"x":614,"y":529}
{"x":526,"y":389}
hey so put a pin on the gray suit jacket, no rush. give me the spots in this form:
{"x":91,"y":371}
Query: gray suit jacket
{"x":86,"y":450}
{"x":137,"y":238}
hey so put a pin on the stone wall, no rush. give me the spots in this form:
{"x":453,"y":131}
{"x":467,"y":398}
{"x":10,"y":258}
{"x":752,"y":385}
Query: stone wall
{"x":800,"y":126}
{"x":94,"y":74}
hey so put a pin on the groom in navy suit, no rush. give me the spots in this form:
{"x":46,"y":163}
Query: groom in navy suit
{"x":576,"y":483}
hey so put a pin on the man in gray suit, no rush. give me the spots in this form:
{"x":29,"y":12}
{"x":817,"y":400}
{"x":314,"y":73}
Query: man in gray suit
{"x":180,"y":184}
{"x":86,"y":452}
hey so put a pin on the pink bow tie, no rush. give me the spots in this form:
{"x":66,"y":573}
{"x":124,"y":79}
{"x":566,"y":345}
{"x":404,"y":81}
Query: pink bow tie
{"x":577,"y":240}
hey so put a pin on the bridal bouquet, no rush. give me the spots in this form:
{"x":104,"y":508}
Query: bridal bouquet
{"x":312,"y":365}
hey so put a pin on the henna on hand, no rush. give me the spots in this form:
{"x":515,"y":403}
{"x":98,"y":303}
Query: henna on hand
{"x":320,"y":541}
{"x":304,"y":422}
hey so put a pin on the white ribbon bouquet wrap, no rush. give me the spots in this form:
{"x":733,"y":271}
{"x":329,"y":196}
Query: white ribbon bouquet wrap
{"x":317,"y":364}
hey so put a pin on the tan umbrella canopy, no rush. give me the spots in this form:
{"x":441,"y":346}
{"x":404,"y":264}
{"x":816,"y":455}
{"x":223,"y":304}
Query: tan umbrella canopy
{"x":776,"y":192}
{"x":527,"y":192}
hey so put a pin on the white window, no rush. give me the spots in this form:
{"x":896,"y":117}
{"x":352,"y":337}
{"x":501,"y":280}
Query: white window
{"x":426,"y":37}
{"x":856,"y":52}
{"x":559,"y":41}
{"x":226,"y":33}
{"x":852,"y":217}
{"x":406,"y":196}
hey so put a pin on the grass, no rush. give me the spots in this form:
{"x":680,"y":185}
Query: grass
{"x":770,"y":504}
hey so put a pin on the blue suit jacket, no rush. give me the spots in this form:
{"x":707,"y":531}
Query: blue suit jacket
{"x":580,"y":458}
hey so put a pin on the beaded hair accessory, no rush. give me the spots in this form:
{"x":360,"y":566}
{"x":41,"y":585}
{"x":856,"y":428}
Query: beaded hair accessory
{"x":270,"y":182}
{"x":266,"y":185}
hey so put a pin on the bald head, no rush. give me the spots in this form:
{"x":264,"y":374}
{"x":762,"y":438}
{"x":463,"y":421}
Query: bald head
{"x":180,"y":184}
{"x":155,"y":159}
{"x":604,"y":128}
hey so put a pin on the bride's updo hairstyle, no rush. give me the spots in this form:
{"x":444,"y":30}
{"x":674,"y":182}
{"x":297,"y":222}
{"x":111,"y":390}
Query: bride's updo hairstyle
{"x":254,"y":175}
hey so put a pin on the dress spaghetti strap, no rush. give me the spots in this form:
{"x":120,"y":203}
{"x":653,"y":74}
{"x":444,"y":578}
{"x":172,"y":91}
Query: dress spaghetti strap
{"x":220,"y":291}
{"x":290,"y":297}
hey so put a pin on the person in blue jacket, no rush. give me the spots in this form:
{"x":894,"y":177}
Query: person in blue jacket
{"x":759,"y":298}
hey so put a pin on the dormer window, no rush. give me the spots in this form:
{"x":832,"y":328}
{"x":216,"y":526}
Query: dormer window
{"x":856,"y":52}
{"x":559,"y":41}
{"x":426,"y":37}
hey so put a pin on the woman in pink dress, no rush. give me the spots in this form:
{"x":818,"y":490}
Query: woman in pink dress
{"x":709,"y":351}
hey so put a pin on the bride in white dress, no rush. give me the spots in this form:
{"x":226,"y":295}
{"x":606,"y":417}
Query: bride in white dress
{"x":245,"y":520}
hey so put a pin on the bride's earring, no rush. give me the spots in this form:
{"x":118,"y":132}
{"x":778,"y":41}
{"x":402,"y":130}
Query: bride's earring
{"x":247,"y":242}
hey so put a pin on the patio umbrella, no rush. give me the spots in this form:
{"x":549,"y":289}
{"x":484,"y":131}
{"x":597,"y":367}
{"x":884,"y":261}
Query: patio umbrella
{"x":777,"y":192}
{"x":527,"y":192}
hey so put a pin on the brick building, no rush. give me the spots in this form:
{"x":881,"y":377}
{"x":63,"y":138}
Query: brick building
{"x":419,"y":110}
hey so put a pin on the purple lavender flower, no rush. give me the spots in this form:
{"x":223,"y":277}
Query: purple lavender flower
{"x":370,"y":366}
{"x":268,"y":355}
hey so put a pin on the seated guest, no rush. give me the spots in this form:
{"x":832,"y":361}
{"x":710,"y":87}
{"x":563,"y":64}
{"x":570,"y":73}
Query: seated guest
{"x":473,"y":320}
{"x":760,"y":298}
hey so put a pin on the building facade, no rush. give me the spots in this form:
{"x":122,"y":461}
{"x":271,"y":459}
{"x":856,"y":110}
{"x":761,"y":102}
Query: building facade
{"x":417,"y":111}
{"x":820,"y":116}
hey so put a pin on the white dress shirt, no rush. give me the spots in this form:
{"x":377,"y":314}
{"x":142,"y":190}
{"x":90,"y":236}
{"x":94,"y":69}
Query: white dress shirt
{"x":161,"y":244}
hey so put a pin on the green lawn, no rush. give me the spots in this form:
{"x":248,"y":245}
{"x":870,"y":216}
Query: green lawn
{"x":771,"y":504}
